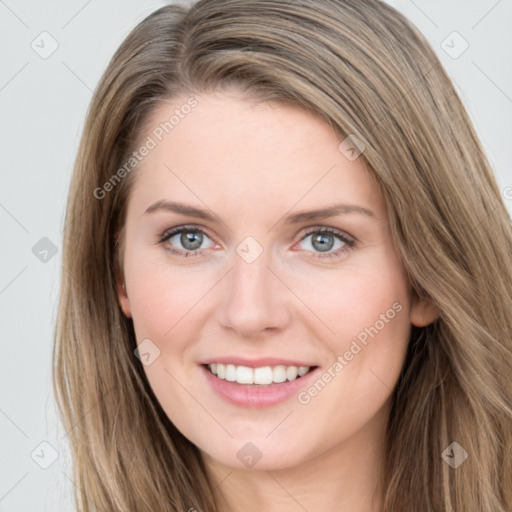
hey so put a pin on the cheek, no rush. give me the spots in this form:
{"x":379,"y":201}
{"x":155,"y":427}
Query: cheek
{"x":165,"y":308}
{"x":368,"y":309}
{"x":160,"y":295}
{"x":357,"y":297}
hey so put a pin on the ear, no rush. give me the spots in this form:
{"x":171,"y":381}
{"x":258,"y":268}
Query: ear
{"x":121,"y":292}
{"x":422,"y":313}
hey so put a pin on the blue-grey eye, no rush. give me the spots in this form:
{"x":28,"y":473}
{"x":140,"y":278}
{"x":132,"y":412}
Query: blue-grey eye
{"x":323,"y":241}
{"x":191,"y":240}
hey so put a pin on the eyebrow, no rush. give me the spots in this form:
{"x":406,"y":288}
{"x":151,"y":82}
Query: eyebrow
{"x":192,"y":211}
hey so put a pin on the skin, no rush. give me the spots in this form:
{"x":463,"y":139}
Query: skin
{"x":252,"y":164}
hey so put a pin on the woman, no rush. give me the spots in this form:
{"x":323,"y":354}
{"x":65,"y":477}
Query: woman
{"x":288,"y":277}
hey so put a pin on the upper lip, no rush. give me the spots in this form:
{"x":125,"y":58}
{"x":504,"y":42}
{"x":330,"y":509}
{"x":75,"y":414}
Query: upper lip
{"x":255,"y":363}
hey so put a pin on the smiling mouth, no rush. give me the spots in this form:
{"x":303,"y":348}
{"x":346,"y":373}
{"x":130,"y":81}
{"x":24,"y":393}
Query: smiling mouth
{"x":260,"y":376}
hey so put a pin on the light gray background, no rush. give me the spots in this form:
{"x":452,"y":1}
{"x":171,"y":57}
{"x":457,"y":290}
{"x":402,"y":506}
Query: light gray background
{"x":43,"y":103}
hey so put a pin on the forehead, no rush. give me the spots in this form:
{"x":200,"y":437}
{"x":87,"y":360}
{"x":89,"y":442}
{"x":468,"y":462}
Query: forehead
{"x":235,"y":151}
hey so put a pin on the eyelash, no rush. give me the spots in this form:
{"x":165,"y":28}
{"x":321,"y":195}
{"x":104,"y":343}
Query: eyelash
{"x":348,"y":241}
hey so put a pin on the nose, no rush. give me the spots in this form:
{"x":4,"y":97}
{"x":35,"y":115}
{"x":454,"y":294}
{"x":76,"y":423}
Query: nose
{"x":254,"y":299}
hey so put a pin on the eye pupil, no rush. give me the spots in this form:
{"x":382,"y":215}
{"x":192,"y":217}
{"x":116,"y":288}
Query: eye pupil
{"x":191,"y":240}
{"x":324,"y":241}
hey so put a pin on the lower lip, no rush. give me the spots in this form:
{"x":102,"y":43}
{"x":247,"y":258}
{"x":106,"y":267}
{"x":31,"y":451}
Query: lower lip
{"x":256,"y":397}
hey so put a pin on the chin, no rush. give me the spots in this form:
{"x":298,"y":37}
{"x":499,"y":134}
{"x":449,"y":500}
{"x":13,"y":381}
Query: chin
{"x":257,"y":455}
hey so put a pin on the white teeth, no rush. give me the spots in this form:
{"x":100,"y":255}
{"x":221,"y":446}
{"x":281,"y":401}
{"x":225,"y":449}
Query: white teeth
{"x":231,"y":372}
{"x":303,"y":370}
{"x":279,"y":373}
{"x":263,"y":375}
{"x":244,"y":375}
{"x":291,"y":372}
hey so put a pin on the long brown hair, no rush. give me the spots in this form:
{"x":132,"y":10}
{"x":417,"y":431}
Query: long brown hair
{"x":369,"y":73}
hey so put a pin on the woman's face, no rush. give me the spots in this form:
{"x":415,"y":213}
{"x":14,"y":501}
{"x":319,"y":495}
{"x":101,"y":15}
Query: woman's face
{"x":285,"y":261}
